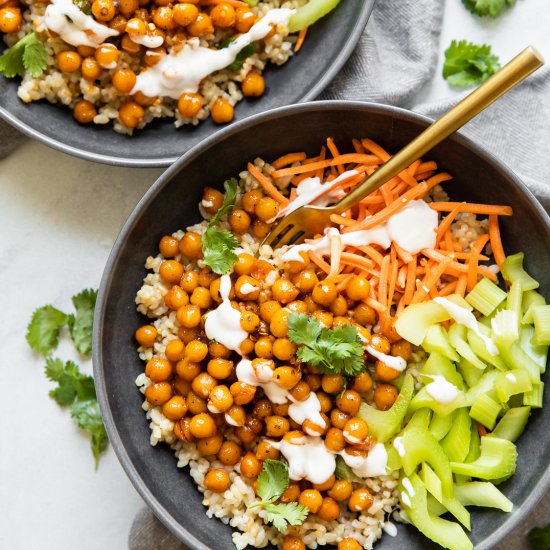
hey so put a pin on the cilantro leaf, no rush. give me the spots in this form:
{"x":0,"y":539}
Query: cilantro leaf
{"x":487,"y":7}
{"x":273,"y":480}
{"x":468,"y":64}
{"x":87,"y":416}
{"x":80,"y":324}
{"x":43,"y":329}
{"x":333,"y":351}
{"x":54,"y":369}
{"x":286,"y":513}
{"x":27,"y":54}
{"x":228,"y":202}
{"x":539,"y":538}
{"x":84,"y":6}
{"x":247,"y":51}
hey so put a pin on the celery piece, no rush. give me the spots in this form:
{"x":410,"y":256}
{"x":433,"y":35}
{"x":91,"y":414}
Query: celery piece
{"x":516,"y":358}
{"x":437,"y":341}
{"x":394,"y":460}
{"x":485,"y":411}
{"x":539,"y":354}
{"x":456,"y":443}
{"x":439,"y":365}
{"x":475,"y":444}
{"x":459,"y":301}
{"x":479,"y":347}
{"x":511,"y":383}
{"x":424,"y":399}
{"x":484,"y":385}
{"x":482,"y":493}
{"x":541,"y":320}
{"x":440,"y":425}
{"x":515,"y":296}
{"x":431,"y":481}
{"x":497,"y":460}
{"x":505,"y":327}
{"x":535,"y":397}
{"x":435,"y":508}
{"x":309,"y":13}
{"x":457,"y":336}
{"x":251,"y":3}
{"x":420,"y":419}
{"x":485,"y":296}
{"x":443,"y":532}
{"x":531,"y":299}
{"x":421,"y":446}
{"x":512,"y":424}
{"x":384,"y":424}
{"x":512,"y":271}
{"x":469,"y":373}
{"x":414,"y":321}
{"x":343,"y":471}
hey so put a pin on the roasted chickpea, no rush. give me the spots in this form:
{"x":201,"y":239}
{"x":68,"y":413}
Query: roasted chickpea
{"x":384,"y":372}
{"x":217,"y":480}
{"x":266,"y":451}
{"x":242,"y":393}
{"x":189,"y":281}
{"x":284,"y":291}
{"x":187,"y":370}
{"x":191,"y":246}
{"x":163,"y":18}
{"x":118,"y":24}
{"x":340,"y":306}
{"x":297,"y":306}
{"x":223,"y":15}
{"x":146,"y":335}
{"x":196,"y":404}
{"x":175,"y":350}
{"x":253,"y":84}
{"x":324,"y":293}
{"x":68,"y":61}
{"x":230,"y":453}
{"x":244,"y":19}
{"x":250,"y":200}
{"x":235,"y":416}
{"x":361,"y":499}
{"x":176,"y":297}
{"x":266,"y":209}
{"x":306,"y":280}
{"x":250,"y":466}
{"x":356,"y":430}
{"x":139,"y":97}
{"x":171,"y":271}
{"x":185,"y":13}
{"x":325,"y":401}
{"x":182,"y":431}
{"x":239,"y":221}
{"x":158,"y":369}
{"x":181,"y":386}
{"x":401,"y":348}
{"x":338,"y":418}
{"x":203,"y":384}
{"x":263,"y":347}
{"x":249,"y":321}
{"x":90,"y":69}
{"x":201,"y":26}
{"x":384,"y":396}
{"x":124,"y":80}
{"x":278,"y":324}
{"x":283,"y":349}
{"x":220,"y":368}
{"x":380,"y":343}
{"x":168,"y":246}
{"x":329,"y":509}
{"x":287,"y":377}
{"x":158,"y":393}
{"x":136,"y":27}
{"x":189,"y":104}
{"x":202,"y":425}
{"x":268,"y":310}
{"x":220,"y":399}
{"x":154,"y":56}
{"x":244,"y":264}
{"x":103,"y":10}
{"x":349,"y":402}
{"x":10,"y":19}
{"x":332,"y":383}
{"x":341,"y":490}
{"x":262,"y":409}
{"x":209,"y":446}
{"x":217,"y":350}
{"x":276,"y":426}
{"x":187,"y":334}
{"x":201,"y":297}
{"x":175,"y":408}
{"x":247,"y":288}
{"x":311,"y":499}
{"x":358,"y":288}
{"x":324,"y":317}
{"x":107,"y":55}
{"x":313,"y":381}
{"x":362,"y":383}
{"x":130,"y":114}
{"x":189,"y":316}
{"x":280,"y":409}
{"x":196,"y":351}
{"x":300,"y":391}
{"x":334,"y":440}
{"x":349,"y":544}
{"x":221,"y":111}
{"x":364,"y":315}
{"x":127,"y":7}
{"x":291,"y":493}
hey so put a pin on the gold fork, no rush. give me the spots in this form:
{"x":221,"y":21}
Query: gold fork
{"x":310,"y":220}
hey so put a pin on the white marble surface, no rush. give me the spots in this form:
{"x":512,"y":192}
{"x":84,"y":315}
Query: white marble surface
{"x":60,"y":216}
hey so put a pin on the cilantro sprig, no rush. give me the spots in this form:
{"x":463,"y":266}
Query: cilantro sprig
{"x":219,"y":245}
{"x":492,"y":8}
{"x":27,"y":55}
{"x":338,"y":350}
{"x":246,"y":52}
{"x":468,"y":64}
{"x":539,"y":538}
{"x":272,"y":482}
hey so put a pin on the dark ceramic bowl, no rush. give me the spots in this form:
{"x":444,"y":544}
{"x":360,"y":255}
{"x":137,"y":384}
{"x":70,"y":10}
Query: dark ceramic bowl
{"x":171,"y":203}
{"x":329,"y":44}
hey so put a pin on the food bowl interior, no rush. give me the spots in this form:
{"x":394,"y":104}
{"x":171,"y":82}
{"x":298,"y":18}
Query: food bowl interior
{"x":328,"y":45}
{"x":172,"y":204}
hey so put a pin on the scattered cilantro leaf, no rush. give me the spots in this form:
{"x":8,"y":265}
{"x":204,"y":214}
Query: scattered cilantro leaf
{"x":219,"y":245}
{"x":84,"y":6}
{"x":539,"y":538}
{"x":80,"y":324}
{"x":487,"y":7}
{"x":333,"y":351}
{"x":87,"y":416}
{"x":272,"y":482}
{"x":247,"y":51}
{"x":43,"y":329}
{"x":468,"y":64}
{"x":28,"y":54}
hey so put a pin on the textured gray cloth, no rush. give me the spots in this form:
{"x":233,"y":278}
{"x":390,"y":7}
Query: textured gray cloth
{"x":10,"y":139}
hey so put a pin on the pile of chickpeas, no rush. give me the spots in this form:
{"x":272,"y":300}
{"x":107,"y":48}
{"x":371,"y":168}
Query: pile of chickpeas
{"x":196,"y":386}
{"x":175,"y":22}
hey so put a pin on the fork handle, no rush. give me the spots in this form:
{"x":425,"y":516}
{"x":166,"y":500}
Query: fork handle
{"x":519,"y":68}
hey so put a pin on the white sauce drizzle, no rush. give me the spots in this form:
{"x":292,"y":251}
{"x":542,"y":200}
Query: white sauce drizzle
{"x":511,"y":377}
{"x":408,"y":486}
{"x":248,"y":288}
{"x":230,"y":421}
{"x":148,"y":40}
{"x":405,"y":499}
{"x":373,"y":465}
{"x":413,"y":228}
{"x":390,"y":529}
{"x":223,"y":324}
{"x":308,"y":409}
{"x":182,"y":71}
{"x":394,"y":362}
{"x":74,"y":26}
{"x":464,"y":317}
{"x":441,"y":389}
{"x":398,"y":446}
{"x":207,"y":204}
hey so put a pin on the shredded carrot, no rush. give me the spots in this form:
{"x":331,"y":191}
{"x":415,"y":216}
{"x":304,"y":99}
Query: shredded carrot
{"x":400,"y":305}
{"x":410,"y":283}
{"x":429,"y":281}
{"x":383,"y":284}
{"x":331,"y":146}
{"x":349,"y":158}
{"x":496,"y":242}
{"x":335,"y":254}
{"x":375,"y":305}
{"x":358,"y":147}
{"x":342,"y":285}
{"x":407,"y":257}
{"x":316,"y":259}
{"x":341,"y":220}
{"x":461,"y":285}
{"x":437,"y":179}
{"x":287,"y":160}
{"x":300,"y":40}
{"x":429,"y":166}
{"x":322,"y":156}
{"x":481,"y":430}
{"x":374,"y":254}
{"x":269,"y":188}
{"x":471,"y":208}
{"x":448,"y":289}
{"x":448,"y":220}
{"x":357,"y":261}
{"x":473,"y":263}
{"x":234,"y":3}
{"x":393,"y":281}
{"x":461,"y":255}
{"x":375,"y":149}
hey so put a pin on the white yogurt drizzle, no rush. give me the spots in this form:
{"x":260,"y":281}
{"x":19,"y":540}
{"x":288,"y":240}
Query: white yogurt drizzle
{"x":398,"y":446}
{"x":396,"y":363}
{"x":148,"y":40}
{"x":182,"y":71}
{"x":413,"y":228}
{"x":511,"y":377}
{"x":407,"y":485}
{"x":74,"y":26}
{"x":441,"y":389}
{"x":373,"y":465}
{"x":248,"y":288}
{"x":223,"y":324}
{"x":390,"y":529}
{"x":464,"y":317}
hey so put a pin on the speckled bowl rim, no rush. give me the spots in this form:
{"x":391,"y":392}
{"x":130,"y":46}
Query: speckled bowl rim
{"x":542,"y":486}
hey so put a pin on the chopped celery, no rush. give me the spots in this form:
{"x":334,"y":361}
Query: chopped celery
{"x":457,"y":336}
{"x":505,"y":327}
{"x":535,"y":396}
{"x":440,"y":425}
{"x":420,"y":419}
{"x":439,"y":365}
{"x":469,"y":373}
{"x":486,"y":296}
{"x":459,"y":301}
{"x":539,"y":354}
{"x":343,"y":471}
{"x":485,"y":411}
{"x":443,"y":532}
{"x":431,"y":481}
{"x":475,"y":444}
{"x":541,"y":320}
{"x":437,"y":341}
{"x":309,"y":13}
{"x":479,"y":347}
{"x":435,"y":508}
{"x":482,"y":493}
{"x":394,"y":460}
{"x":516,"y":358}
{"x":484,"y":385}
{"x":531,"y":299}
{"x":251,"y":3}
{"x":497,"y":460}
{"x":512,"y":271}
{"x":414,"y":321}
{"x":384,"y":424}
{"x":512,"y":424}
{"x":511,"y":383}
{"x":424,"y":399}
{"x":421,"y":446}
{"x":456,"y":443}
{"x":515,"y":295}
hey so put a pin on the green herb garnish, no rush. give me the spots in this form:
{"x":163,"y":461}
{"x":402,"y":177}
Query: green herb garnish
{"x":28,"y":55}
{"x":247,"y":51}
{"x":80,"y":324}
{"x":44,"y":328}
{"x":219,"y":245}
{"x":84,"y":6}
{"x":272,"y":482}
{"x":539,"y":538}
{"x":468,"y":64}
{"x":487,"y":7}
{"x":337,"y":350}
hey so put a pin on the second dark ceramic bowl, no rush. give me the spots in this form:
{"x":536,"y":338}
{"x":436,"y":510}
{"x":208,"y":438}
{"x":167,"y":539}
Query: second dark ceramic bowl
{"x":171,"y":203}
{"x":329,"y":44}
